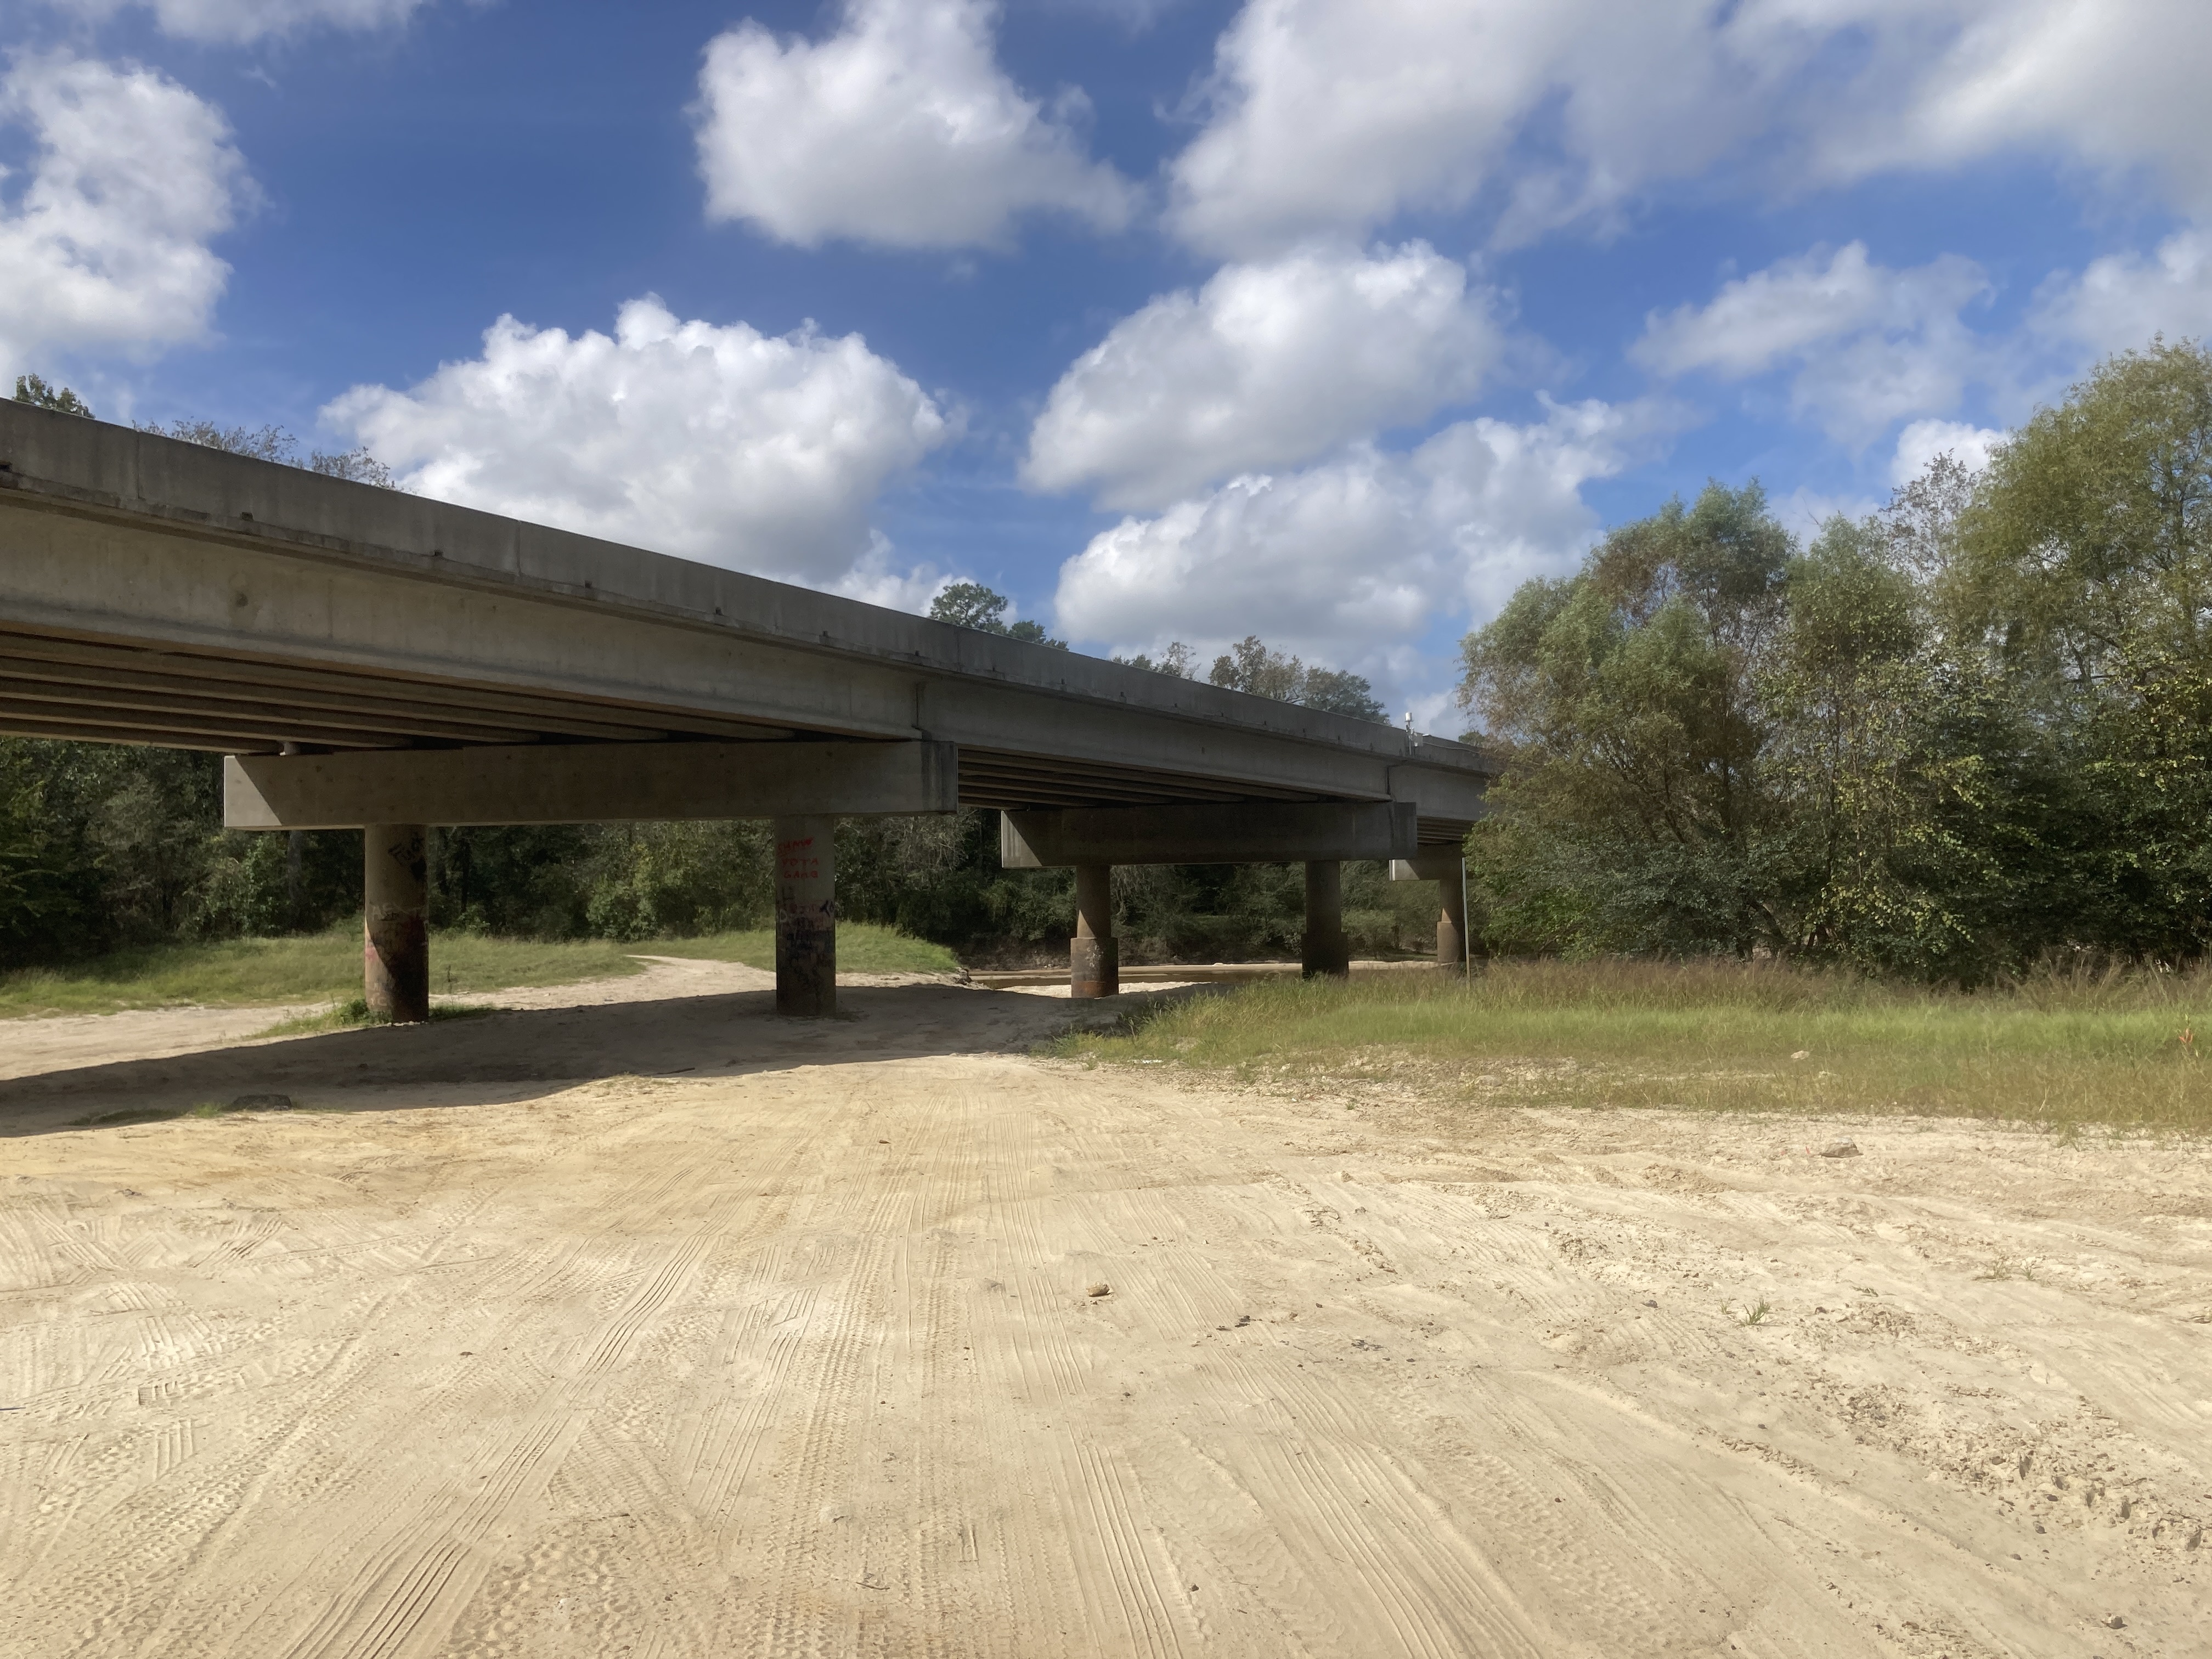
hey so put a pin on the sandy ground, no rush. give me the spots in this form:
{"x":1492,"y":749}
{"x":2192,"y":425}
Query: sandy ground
{"x":665,"y":1326}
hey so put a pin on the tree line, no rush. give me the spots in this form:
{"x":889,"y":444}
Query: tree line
{"x":1965,"y":733}
{"x":263,"y":443}
{"x":1250,"y":665}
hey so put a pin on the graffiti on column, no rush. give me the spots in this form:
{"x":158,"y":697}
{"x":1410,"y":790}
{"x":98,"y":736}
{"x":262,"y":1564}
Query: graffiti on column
{"x":796,"y":860}
{"x":412,"y":854}
{"x":805,"y":916}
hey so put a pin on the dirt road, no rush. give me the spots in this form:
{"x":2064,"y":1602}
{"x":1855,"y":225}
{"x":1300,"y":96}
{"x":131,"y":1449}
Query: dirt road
{"x":666,"y":1328}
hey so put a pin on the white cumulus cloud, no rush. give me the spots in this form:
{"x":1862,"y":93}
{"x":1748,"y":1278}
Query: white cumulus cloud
{"x":242,"y":21}
{"x":1333,"y":116}
{"x":899,"y":130}
{"x":2113,"y":86}
{"x":1922,"y":441}
{"x":2121,"y":301}
{"x":715,"y":443}
{"x":1345,"y":560}
{"x":1268,"y":365}
{"x":104,"y":238}
{"x":1871,"y":345}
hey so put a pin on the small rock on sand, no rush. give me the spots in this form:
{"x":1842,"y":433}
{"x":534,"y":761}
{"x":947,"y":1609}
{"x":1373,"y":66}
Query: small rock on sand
{"x":1840,"y":1149}
{"x":1100,"y":1290}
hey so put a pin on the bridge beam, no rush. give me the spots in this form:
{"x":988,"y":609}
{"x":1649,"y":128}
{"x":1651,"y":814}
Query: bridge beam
{"x":587,"y":783}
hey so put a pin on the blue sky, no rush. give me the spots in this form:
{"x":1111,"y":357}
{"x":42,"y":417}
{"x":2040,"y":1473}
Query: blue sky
{"x":1328,"y":319}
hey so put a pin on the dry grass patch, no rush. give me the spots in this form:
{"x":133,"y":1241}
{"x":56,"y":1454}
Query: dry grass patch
{"x":326,"y":967}
{"x":246,"y":973}
{"x":2113,"y":1048}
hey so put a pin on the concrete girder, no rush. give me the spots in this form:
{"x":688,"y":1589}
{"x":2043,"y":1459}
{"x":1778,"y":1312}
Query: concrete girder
{"x":1278,"y":832}
{"x":414,"y":705}
{"x":129,"y":704}
{"x":588,"y":783}
{"x":1444,"y":795}
{"x":61,"y":662}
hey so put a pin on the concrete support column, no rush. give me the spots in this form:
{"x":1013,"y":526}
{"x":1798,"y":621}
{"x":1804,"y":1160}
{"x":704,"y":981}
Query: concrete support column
{"x":806,"y":916}
{"x":395,"y":944}
{"x":1094,"y":954}
{"x":1325,"y":950}
{"x":1451,"y":922}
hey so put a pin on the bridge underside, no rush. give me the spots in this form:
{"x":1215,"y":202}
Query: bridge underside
{"x":105,"y":691}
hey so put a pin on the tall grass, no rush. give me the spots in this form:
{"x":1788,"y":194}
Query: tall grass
{"x":2112,"y":1046}
{"x":326,"y":967}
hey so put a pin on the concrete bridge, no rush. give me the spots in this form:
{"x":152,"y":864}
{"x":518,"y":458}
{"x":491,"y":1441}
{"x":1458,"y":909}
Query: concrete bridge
{"x":369,"y":658}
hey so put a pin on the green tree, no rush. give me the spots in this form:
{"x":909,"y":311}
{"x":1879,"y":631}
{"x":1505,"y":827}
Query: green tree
{"x":274,"y":443}
{"x":1636,"y":815}
{"x":1178,"y":660}
{"x":2088,"y":549}
{"x":1877,"y":811}
{"x":1338,"y":691}
{"x":971,"y":604}
{"x":1971,"y":730}
{"x":36,"y":890}
{"x":1251,"y":666}
{"x":30,"y":389}
{"x":2082,"y":581}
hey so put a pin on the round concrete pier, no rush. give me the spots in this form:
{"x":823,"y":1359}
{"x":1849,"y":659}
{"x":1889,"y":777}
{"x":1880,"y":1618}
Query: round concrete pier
{"x":1094,"y":954}
{"x":395,"y":950}
{"x":1452,"y":921}
{"x":806,"y":916}
{"x":1325,"y":951}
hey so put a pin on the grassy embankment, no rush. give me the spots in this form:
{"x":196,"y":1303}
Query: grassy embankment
{"x":326,"y":968}
{"x":2119,"y":1048}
